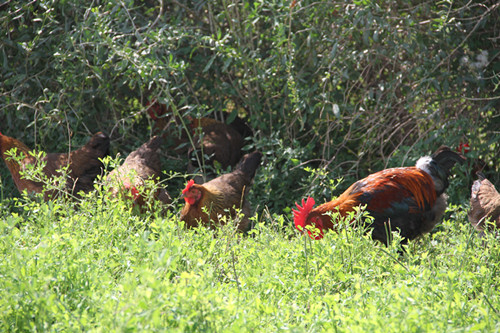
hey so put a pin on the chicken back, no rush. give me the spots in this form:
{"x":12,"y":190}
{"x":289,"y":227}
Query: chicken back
{"x":139,"y":166}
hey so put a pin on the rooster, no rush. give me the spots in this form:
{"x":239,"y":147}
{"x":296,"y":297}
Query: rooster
{"x":411,"y":199}
{"x":84,"y":164}
{"x":139,"y":166}
{"x":207,"y":203}
{"x":484,"y":204}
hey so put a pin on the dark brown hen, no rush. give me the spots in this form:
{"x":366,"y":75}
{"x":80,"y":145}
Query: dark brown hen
{"x":162,"y":117}
{"x":219,"y":143}
{"x":213,"y":141}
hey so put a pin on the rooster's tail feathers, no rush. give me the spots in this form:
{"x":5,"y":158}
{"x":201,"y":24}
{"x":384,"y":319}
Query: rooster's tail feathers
{"x":446,"y":158}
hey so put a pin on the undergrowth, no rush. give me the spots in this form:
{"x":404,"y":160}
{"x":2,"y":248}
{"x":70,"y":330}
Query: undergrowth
{"x":99,"y":267}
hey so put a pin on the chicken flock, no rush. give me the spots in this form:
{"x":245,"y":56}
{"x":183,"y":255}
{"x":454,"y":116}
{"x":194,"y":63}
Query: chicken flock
{"x":410,"y":200}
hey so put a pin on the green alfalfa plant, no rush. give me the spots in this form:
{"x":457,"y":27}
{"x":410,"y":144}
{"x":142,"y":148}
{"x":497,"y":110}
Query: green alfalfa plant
{"x":232,"y":236}
{"x":321,"y":183}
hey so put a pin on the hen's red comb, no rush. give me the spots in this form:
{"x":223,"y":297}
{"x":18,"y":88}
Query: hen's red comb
{"x":188,"y":186}
{"x":155,"y":109}
{"x":300,"y":215}
{"x":133,"y":190}
{"x":463,"y":147}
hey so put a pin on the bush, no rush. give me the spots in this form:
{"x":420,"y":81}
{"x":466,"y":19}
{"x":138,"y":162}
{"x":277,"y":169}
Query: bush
{"x":352,"y":88}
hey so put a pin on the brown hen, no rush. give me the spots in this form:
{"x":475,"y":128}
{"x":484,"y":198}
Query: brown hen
{"x":213,"y":142}
{"x":206,"y":204}
{"x":84,"y":164}
{"x":484,"y":204}
{"x":219,"y":143}
{"x":139,"y":166}
{"x":163,"y":117}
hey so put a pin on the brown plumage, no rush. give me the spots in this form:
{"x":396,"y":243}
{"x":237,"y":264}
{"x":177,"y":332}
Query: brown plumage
{"x":213,"y":140}
{"x":217,"y":142}
{"x":163,"y":117}
{"x":221,"y":196}
{"x":410,"y":200}
{"x":139,"y":166}
{"x":84,"y":164}
{"x":484,"y":204}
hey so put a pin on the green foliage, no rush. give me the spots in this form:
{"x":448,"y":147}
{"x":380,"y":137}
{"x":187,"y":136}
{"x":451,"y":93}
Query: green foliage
{"x":352,"y":83}
{"x":334,"y":92}
{"x":99,"y":267}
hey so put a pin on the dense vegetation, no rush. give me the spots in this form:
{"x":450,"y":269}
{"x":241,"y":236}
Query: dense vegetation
{"x":334,"y":90}
{"x":103,"y":269}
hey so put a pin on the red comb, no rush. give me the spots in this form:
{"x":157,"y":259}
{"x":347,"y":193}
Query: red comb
{"x":188,"y":186}
{"x":463,"y":148}
{"x":135,"y":192}
{"x":132,"y":189}
{"x":153,"y":111}
{"x":156,"y":109}
{"x":300,"y":217}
